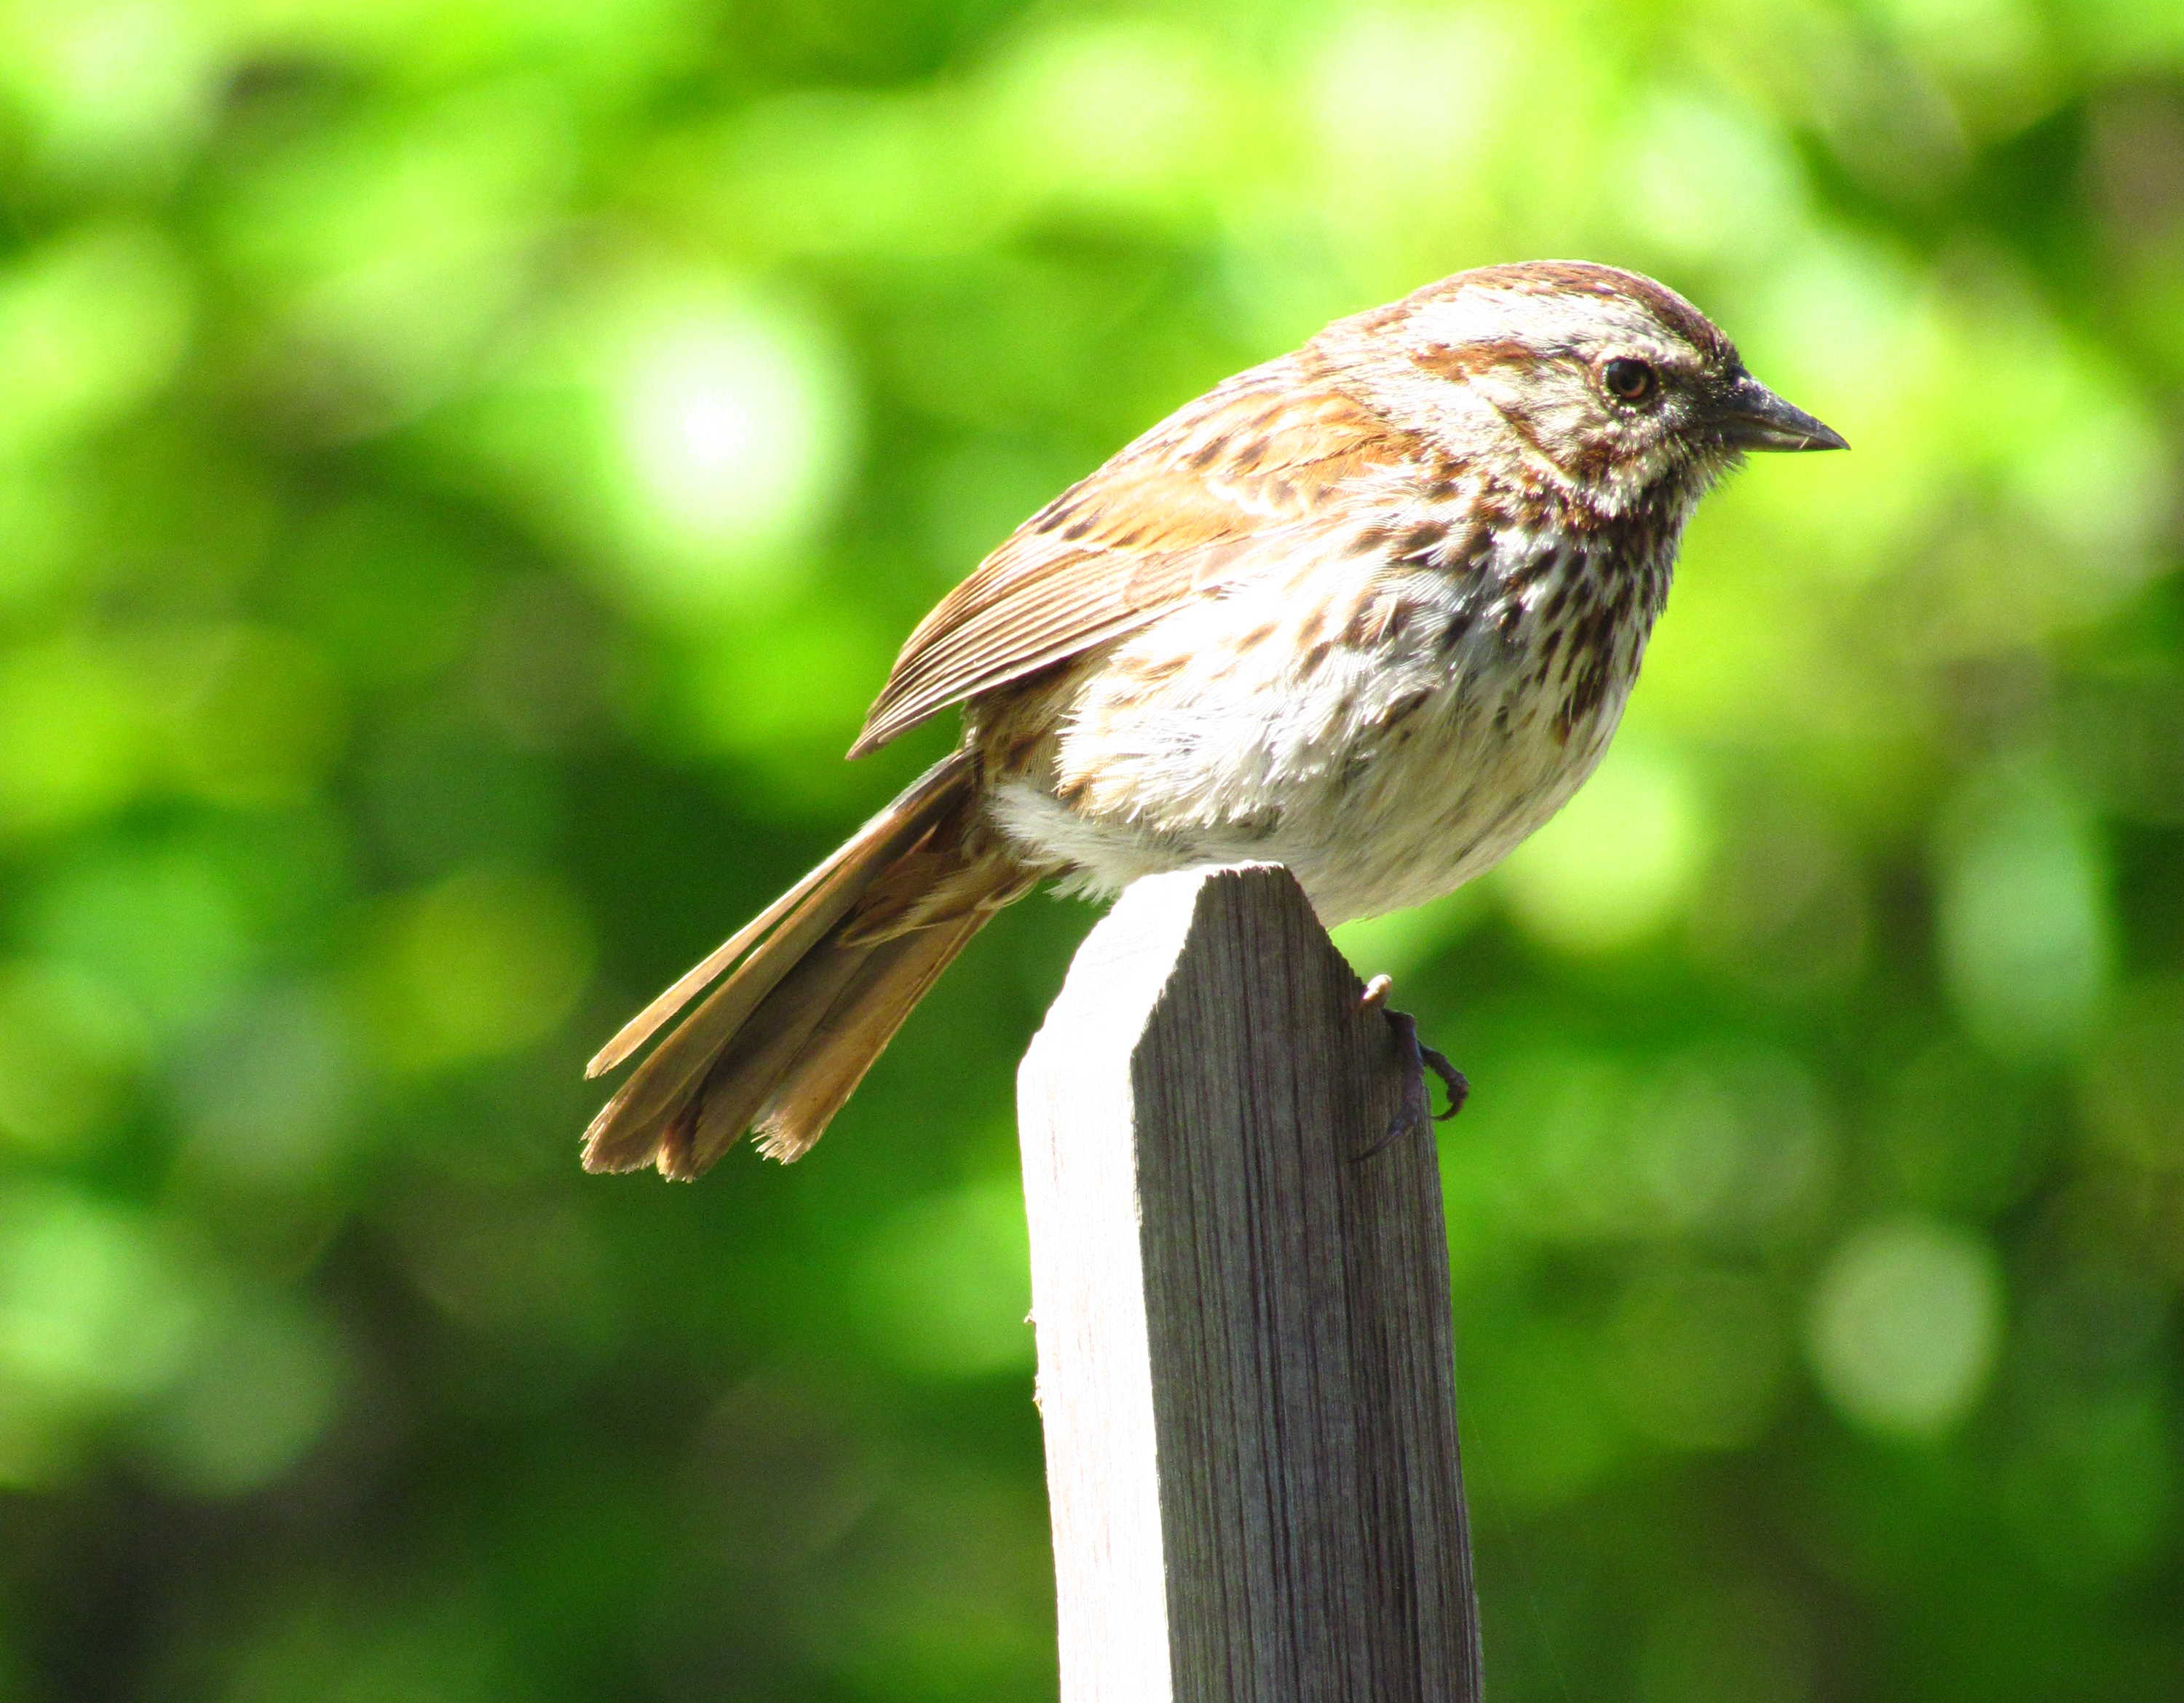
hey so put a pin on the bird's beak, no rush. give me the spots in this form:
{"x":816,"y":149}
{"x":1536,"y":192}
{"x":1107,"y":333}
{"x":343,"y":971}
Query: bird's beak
{"x":1752,"y":416}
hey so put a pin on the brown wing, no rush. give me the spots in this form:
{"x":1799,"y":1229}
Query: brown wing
{"x":1193,"y":500}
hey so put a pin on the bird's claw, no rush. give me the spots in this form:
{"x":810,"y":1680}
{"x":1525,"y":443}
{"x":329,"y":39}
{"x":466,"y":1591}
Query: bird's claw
{"x":1454,"y":1080}
{"x":1416,"y":1109}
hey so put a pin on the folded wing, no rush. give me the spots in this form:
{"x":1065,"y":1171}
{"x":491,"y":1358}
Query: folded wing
{"x":1206,"y":496}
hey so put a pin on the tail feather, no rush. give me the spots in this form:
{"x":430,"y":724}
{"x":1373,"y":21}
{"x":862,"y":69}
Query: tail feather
{"x":870,"y":851}
{"x":759,"y":1054}
{"x":855,"y":1032}
{"x":627,"y":1134}
{"x":784,"y":1040}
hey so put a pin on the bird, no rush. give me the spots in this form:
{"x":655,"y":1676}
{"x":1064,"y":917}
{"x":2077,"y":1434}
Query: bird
{"x":1370,"y":611}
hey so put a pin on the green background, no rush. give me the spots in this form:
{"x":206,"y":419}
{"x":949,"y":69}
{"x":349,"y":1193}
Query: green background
{"x":464,"y":469}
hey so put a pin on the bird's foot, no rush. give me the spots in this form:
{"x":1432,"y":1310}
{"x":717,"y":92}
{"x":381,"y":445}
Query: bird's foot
{"x":1418,"y":1108}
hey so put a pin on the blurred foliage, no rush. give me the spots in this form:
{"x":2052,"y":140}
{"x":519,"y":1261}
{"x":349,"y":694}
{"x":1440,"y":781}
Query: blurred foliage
{"x":464,"y":469}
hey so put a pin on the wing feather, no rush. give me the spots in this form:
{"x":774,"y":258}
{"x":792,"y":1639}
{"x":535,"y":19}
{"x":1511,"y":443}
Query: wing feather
{"x":1197,"y":501}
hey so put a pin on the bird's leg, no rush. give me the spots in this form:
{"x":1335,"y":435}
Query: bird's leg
{"x":1417,"y":1107}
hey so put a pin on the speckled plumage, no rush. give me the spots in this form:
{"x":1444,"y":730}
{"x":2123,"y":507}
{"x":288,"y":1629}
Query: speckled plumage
{"x":1371,"y":610}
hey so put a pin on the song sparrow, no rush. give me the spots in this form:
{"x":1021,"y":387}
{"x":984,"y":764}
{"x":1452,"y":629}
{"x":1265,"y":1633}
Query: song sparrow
{"x":1370,"y":611}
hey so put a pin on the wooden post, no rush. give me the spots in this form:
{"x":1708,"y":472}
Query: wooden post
{"x":1240,"y":1277}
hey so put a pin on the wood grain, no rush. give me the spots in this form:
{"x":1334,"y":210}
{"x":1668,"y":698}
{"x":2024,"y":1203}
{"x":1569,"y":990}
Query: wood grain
{"x":1240,"y":1277}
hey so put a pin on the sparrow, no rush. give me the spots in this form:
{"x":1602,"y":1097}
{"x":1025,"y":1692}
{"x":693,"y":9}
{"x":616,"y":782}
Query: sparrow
{"x":1370,"y":611}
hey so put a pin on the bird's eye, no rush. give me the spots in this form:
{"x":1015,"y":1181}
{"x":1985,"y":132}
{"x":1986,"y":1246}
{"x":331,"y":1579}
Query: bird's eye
{"x":1630,"y":381}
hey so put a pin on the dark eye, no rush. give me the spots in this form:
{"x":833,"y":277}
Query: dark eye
{"x":1630,"y":381}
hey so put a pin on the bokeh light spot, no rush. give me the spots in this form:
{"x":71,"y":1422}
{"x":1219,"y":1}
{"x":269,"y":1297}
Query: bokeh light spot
{"x":486,"y":962}
{"x":2027,"y":939}
{"x":1402,"y":107}
{"x":1730,"y":1141}
{"x":1905,"y":1319}
{"x":89,"y":328}
{"x":733,"y":424}
{"x":161,"y":927}
{"x":1620,"y":860}
{"x":72,"y":736}
{"x":94,"y":1308}
{"x":113,"y":86}
{"x":1708,"y":179}
{"x":1109,"y":114}
{"x":263,"y":1383}
{"x":269,"y":1098}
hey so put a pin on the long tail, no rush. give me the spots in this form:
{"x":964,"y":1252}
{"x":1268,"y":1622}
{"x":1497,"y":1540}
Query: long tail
{"x":828,"y":973}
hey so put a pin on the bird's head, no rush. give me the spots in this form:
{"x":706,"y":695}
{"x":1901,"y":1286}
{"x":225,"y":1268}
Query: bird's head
{"x":1601,"y":381}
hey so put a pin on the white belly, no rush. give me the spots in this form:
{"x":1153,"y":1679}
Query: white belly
{"x":1384,"y":775}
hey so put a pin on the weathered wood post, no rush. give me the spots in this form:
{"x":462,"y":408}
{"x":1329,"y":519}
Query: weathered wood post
{"x":1240,"y":1283}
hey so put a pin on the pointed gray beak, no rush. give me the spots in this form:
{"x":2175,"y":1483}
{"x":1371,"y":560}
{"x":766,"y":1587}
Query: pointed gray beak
{"x":1750,"y":417}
